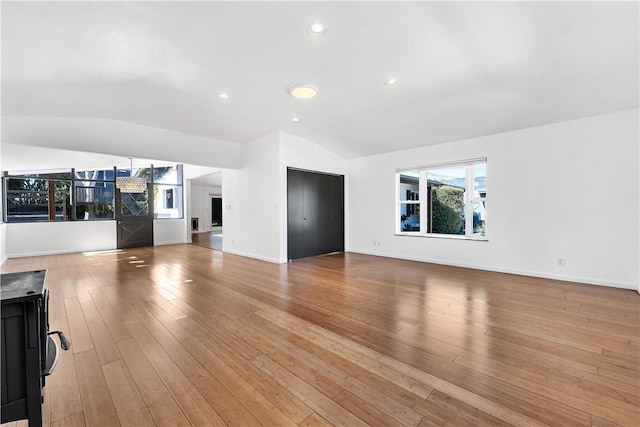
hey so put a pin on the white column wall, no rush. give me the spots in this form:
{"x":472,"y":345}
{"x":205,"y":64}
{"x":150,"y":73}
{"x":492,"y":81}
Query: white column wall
{"x":250,"y":199}
{"x":566,"y":190}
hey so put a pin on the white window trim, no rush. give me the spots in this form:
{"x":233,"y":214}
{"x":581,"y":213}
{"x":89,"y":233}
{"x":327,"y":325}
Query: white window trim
{"x":422,"y":185}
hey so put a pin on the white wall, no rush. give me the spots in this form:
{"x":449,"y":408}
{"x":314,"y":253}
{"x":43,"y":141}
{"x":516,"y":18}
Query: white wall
{"x":44,"y":238}
{"x":120,"y":138}
{"x":564,"y":190}
{"x":251,"y":202}
{"x":300,"y":153}
{"x":3,"y":243}
{"x":169,"y":231}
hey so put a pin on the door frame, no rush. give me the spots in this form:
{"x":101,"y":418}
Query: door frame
{"x":342,"y":210}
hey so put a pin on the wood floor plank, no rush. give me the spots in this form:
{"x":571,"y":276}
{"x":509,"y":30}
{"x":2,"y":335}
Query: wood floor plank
{"x":160,"y":402}
{"x":282,"y":357}
{"x":463,"y":413}
{"x":315,"y":348}
{"x":225,"y":404}
{"x":290,"y":405}
{"x":78,"y":330}
{"x":367,"y":412}
{"x":383,"y":365}
{"x":261,"y":407}
{"x":105,"y":347}
{"x":620,"y":411}
{"x":74,"y":420}
{"x":209,"y":326}
{"x":182,"y":335}
{"x":315,"y":420}
{"x":97,"y":405}
{"x":63,"y":392}
{"x":129,"y":404}
{"x":327,"y":408}
{"x":119,"y":305}
{"x":57,"y":308}
{"x":117,"y":329}
{"x":180,"y":355}
{"x":373,"y":397}
{"x":195,"y":407}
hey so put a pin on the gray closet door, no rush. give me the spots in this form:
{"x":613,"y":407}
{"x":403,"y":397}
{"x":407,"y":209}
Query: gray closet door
{"x":315,"y":213}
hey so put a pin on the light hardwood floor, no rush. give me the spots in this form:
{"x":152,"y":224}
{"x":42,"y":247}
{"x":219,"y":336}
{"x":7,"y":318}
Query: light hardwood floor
{"x":183,"y":335}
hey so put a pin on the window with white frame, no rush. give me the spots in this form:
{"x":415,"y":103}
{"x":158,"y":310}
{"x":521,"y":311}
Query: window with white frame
{"x":445,"y":200}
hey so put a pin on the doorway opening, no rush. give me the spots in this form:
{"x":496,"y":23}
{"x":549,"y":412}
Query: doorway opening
{"x":216,"y":212}
{"x":134,"y":219}
{"x":216,"y":223}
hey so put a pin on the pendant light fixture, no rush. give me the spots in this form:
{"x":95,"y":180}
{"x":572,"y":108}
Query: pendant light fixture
{"x":131,"y":184}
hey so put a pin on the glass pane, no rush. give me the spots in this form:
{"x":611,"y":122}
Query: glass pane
{"x":480,"y":180}
{"x":445,"y":197}
{"x":167,"y":201}
{"x":28,"y":200}
{"x":94,"y":175}
{"x":409,"y":185}
{"x":409,"y":217}
{"x":135,"y":204}
{"x":479,"y":218}
{"x":94,"y":200}
{"x":167,"y":174}
{"x":63,"y":209}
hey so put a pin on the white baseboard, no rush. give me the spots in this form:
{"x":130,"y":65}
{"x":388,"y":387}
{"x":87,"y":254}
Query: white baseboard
{"x":244,"y":254}
{"x":3,"y":260}
{"x":57,"y":252}
{"x":543,"y":275}
{"x":73,"y":251}
{"x":170,"y":242}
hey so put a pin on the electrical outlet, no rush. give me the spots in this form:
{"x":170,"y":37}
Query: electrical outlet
{"x":562,"y":262}
{"x":374,"y":243}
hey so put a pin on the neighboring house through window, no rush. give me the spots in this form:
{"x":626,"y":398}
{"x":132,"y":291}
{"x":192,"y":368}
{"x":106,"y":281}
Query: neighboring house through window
{"x":444,"y":200}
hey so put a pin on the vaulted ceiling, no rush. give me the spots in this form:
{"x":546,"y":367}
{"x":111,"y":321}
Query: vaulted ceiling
{"x":463,"y":69}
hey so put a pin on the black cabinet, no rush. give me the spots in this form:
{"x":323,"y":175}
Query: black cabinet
{"x":28,"y":353}
{"x":315,"y":213}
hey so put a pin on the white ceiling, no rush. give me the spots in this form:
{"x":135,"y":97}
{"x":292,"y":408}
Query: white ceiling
{"x":465,"y":69}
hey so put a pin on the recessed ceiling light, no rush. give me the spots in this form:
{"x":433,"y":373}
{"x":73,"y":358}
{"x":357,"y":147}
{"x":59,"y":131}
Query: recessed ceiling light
{"x":223,"y":95}
{"x":316,"y":29}
{"x":303,"y":91}
{"x":391,"y":82}
{"x":295,"y":119}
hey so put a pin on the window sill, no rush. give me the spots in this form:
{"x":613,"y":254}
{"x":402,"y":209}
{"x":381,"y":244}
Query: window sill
{"x":444,"y":236}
